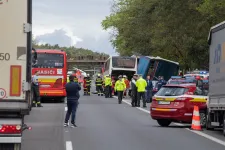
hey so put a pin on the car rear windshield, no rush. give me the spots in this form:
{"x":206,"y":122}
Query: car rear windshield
{"x":176,"y":82}
{"x":171,"y":91}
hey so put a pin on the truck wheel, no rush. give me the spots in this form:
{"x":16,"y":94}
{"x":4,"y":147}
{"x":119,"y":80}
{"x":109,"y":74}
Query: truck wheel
{"x":12,"y":146}
{"x":203,"y":119}
{"x":224,"y":124}
{"x":208,"y":125}
{"x":17,"y":146}
{"x":164,"y":122}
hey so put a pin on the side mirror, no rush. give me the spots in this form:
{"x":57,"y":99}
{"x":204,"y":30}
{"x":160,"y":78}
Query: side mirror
{"x":34,"y":57}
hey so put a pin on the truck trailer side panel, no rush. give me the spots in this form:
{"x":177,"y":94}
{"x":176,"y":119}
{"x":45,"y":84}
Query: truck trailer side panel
{"x":15,"y":55}
{"x":217,"y":67}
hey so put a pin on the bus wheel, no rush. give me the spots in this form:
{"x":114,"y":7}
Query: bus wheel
{"x":164,"y":122}
{"x":63,"y":99}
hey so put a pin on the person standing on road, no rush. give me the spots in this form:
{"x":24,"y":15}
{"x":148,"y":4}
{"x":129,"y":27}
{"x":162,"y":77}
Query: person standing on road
{"x":120,"y":87}
{"x":98,"y":84}
{"x":161,"y":82}
{"x":113,"y":85}
{"x":84,"y":86}
{"x":108,"y":82}
{"x":36,"y":91}
{"x":110,"y":88}
{"x":149,"y":90}
{"x":72,"y":90}
{"x":141,"y":85}
{"x":126,"y":81}
{"x":88,"y":85}
{"x":134,"y":91}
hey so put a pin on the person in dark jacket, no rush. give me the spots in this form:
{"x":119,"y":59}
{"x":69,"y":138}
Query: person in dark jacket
{"x":72,"y":90}
{"x":149,"y":90}
{"x":134,"y":91}
{"x":161,"y":82}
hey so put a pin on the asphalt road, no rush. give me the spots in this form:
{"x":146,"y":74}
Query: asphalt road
{"x":105,"y":125}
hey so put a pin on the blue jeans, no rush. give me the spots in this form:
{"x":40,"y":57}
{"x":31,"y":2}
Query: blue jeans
{"x":72,"y":108}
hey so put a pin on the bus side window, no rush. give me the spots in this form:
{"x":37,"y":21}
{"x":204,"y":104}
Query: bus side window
{"x":107,"y":65}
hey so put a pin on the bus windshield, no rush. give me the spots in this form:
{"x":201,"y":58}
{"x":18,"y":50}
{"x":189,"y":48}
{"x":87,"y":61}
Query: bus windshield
{"x":123,"y":62}
{"x":49,"y":60}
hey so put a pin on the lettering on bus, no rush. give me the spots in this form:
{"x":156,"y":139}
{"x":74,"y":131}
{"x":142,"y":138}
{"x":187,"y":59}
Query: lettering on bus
{"x":46,"y":72}
{"x":4,"y":56}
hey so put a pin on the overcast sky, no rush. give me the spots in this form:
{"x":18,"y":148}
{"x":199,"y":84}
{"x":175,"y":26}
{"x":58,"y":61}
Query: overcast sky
{"x":72,"y":23}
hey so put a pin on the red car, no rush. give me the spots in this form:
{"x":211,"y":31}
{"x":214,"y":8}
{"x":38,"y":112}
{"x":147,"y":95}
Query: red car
{"x":175,"y":103}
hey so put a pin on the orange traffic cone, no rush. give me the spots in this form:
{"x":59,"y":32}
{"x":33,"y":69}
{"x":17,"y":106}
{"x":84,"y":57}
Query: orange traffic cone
{"x":196,"y":119}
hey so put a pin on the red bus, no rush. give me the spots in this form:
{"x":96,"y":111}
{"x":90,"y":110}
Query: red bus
{"x":52,"y":67}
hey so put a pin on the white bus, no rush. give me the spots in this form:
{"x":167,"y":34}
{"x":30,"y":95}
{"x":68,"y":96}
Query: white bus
{"x":120,"y":65}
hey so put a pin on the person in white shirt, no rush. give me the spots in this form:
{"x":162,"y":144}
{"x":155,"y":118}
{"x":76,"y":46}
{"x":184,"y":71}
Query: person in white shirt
{"x":36,"y":92}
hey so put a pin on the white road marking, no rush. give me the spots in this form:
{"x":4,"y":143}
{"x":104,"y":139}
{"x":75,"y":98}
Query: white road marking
{"x":69,"y":145}
{"x":179,"y":124}
{"x":127,"y":102}
{"x":66,"y":108}
{"x":208,"y":137}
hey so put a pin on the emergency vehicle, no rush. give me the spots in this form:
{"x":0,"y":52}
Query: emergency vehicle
{"x":175,"y":103}
{"x":52,"y":67}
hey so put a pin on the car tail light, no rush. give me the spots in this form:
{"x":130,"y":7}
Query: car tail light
{"x":153,"y":99}
{"x":10,"y":129}
{"x":183,"y":98}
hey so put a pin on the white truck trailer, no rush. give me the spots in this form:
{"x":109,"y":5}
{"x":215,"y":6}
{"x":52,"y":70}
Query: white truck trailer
{"x":216,"y":102}
{"x":15,"y":70}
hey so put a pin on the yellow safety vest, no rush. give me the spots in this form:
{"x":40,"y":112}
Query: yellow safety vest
{"x":141,"y":84}
{"x":108,"y":81}
{"x":120,"y":86}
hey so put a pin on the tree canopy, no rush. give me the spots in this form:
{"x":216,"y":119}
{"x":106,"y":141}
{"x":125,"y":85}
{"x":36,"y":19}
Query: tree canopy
{"x":173,"y":29}
{"x":72,"y":51}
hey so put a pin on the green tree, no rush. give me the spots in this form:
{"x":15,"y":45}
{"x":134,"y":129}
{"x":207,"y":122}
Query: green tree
{"x":173,"y":29}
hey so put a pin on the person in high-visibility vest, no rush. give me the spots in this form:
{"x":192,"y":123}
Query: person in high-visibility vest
{"x":67,"y":79}
{"x":98,"y":84}
{"x":110,"y":88}
{"x":120,"y":87}
{"x":75,"y":79}
{"x":141,"y":85}
{"x":88,"y":85}
{"x":108,"y":83}
{"x":103,"y":84}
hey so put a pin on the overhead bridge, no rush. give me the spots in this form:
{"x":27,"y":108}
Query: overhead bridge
{"x":89,"y":64}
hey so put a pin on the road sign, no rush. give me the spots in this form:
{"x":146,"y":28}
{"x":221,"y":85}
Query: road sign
{"x":2,"y":93}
